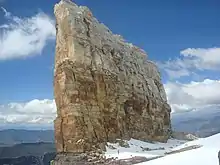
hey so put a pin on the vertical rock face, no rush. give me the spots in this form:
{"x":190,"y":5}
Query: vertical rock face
{"x":104,"y":87}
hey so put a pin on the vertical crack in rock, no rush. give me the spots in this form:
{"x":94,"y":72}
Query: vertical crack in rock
{"x":61,"y":134}
{"x":87,"y":24}
{"x":105,"y":89}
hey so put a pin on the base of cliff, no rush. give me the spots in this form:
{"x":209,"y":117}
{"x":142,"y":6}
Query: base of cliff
{"x":123,"y":152}
{"x":83,"y":159}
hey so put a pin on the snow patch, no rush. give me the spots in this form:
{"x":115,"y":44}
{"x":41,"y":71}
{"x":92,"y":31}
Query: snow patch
{"x":141,"y":148}
{"x":206,"y":152}
{"x":205,"y":155}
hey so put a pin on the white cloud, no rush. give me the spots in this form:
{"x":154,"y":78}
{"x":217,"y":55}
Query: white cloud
{"x":203,"y":58}
{"x":177,"y":73}
{"x":192,"y":60}
{"x":193,"y":95}
{"x":23,"y":37}
{"x":34,"y":111}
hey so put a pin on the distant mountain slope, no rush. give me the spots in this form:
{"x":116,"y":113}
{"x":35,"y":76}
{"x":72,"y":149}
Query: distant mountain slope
{"x":29,"y":160}
{"x":27,"y":149}
{"x":27,"y":154}
{"x":12,"y":136}
{"x":204,"y":123}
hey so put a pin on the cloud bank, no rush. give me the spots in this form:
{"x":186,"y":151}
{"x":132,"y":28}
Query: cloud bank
{"x":31,"y":112}
{"x":24,"y":37}
{"x":193,"y":96}
{"x":193,"y":63}
{"x":192,"y":60}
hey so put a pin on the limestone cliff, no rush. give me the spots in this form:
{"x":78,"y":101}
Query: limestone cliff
{"x":104,"y":87}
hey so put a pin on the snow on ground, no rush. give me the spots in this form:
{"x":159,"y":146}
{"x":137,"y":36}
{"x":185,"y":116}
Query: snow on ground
{"x":207,"y":154}
{"x":193,"y":157}
{"x":136,"y":149}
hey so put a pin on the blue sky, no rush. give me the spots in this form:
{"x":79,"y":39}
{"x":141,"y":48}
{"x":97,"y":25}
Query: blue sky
{"x":181,"y":36}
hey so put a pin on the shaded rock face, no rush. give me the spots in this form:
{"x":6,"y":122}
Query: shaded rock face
{"x":104,"y":87}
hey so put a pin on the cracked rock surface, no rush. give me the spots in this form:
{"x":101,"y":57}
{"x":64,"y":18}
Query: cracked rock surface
{"x":105,"y":89}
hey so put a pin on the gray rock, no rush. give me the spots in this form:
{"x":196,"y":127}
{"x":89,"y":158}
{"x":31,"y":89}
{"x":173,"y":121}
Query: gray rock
{"x":219,"y":157}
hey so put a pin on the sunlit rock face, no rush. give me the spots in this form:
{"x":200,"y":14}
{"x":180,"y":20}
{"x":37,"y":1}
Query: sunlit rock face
{"x":104,"y":88}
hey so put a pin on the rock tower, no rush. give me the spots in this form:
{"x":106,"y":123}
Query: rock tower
{"x":105,"y":89}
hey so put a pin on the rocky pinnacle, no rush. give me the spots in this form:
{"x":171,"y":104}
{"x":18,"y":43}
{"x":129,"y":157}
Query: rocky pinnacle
{"x":105,"y":89}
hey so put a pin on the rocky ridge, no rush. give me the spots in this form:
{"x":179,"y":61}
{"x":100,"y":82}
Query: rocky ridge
{"x":105,"y":89}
